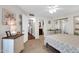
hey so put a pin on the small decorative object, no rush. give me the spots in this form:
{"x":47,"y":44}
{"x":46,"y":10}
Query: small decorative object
{"x":8,"y":33}
{"x":18,"y":33}
{"x":49,"y":22}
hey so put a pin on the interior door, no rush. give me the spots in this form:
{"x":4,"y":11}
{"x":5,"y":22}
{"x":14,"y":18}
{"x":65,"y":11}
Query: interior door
{"x":25,"y":27}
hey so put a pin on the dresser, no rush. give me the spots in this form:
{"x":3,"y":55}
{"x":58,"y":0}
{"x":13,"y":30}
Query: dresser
{"x":13,"y":44}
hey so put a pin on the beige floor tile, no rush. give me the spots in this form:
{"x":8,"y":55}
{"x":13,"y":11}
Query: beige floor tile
{"x":36,"y":46}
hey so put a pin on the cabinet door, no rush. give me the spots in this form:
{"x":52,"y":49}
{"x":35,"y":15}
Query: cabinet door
{"x":18,"y":44}
{"x":8,"y":45}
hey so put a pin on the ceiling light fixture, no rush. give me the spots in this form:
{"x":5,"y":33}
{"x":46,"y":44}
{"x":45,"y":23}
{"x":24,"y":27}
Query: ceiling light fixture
{"x":53,"y":8}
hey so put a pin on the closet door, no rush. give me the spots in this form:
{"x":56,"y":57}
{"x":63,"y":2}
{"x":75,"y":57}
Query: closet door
{"x":63,"y":25}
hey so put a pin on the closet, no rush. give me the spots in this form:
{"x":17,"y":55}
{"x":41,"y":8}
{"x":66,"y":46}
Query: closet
{"x":62,"y":24}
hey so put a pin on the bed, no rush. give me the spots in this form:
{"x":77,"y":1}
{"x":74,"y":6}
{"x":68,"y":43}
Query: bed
{"x":63,"y":42}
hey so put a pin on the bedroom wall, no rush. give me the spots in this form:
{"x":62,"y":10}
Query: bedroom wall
{"x":66,"y":26}
{"x":2,"y":27}
{"x":70,"y":24}
{"x":14,"y":10}
{"x":69,"y":28}
{"x":47,"y":26}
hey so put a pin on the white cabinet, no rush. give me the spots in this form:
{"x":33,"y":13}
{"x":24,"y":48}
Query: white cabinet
{"x":18,"y":44}
{"x":8,"y":45}
{"x":13,"y":45}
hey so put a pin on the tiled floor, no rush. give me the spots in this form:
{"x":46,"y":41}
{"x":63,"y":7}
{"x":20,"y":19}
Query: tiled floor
{"x":37,"y":46}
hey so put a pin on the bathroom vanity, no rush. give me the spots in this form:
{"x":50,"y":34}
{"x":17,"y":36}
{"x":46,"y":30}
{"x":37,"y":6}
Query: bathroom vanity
{"x":13,"y":44}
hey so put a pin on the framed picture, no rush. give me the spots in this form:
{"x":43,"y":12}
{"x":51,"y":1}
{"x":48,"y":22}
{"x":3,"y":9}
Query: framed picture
{"x":8,"y":33}
{"x":6,"y":16}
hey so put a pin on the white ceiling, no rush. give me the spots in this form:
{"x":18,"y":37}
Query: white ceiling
{"x":42,"y":10}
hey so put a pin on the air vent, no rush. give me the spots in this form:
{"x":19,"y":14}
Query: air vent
{"x":31,"y":14}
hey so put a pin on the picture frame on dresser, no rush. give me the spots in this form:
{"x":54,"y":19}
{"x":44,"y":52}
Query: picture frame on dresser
{"x":8,"y":33}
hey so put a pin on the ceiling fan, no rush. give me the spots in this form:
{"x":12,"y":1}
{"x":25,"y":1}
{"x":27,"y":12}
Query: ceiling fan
{"x":53,"y":8}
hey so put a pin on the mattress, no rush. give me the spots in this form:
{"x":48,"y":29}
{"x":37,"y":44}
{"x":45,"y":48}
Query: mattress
{"x":63,"y":42}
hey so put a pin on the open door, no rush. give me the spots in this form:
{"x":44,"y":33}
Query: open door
{"x":41,"y":25}
{"x":30,"y":30}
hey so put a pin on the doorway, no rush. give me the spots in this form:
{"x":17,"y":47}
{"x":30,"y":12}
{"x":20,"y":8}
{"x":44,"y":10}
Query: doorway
{"x":30,"y":30}
{"x":41,"y":25}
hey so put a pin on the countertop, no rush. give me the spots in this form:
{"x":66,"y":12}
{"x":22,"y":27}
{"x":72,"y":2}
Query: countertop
{"x":13,"y":36}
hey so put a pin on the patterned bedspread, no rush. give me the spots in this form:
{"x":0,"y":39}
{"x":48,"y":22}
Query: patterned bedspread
{"x":63,"y":42}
